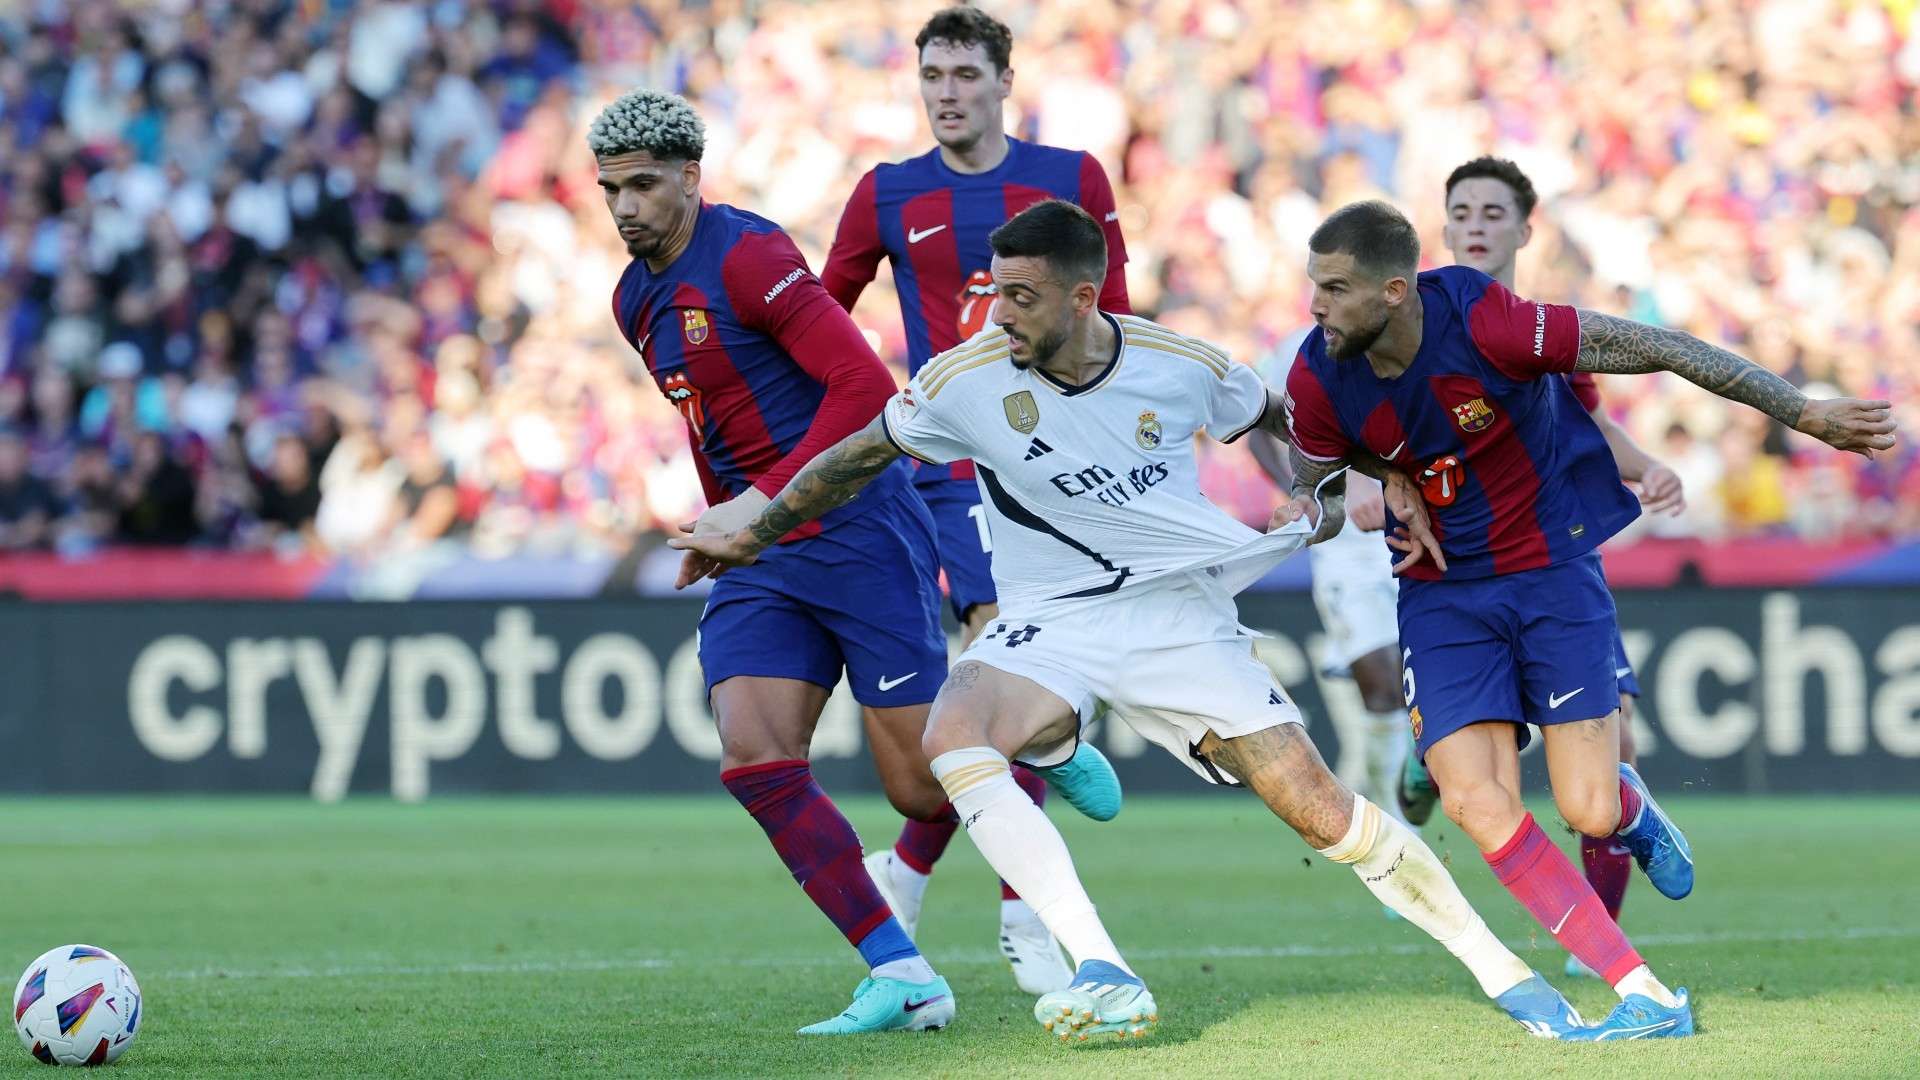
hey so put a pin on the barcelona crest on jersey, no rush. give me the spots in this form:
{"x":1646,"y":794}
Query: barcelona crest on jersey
{"x":1473,"y":415}
{"x":694,"y":322}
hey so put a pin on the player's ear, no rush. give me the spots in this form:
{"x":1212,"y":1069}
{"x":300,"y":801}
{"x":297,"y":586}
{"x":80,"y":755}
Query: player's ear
{"x":1526,"y":232}
{"x":1006,"y":83}
{"x":1086,"y":297}
{"x":690,"y":178}
{"x":1394,"y":290}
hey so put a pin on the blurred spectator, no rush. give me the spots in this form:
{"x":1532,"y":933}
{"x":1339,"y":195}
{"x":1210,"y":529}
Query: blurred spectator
{"x":229,"y":233}
{"x":27,"y":505}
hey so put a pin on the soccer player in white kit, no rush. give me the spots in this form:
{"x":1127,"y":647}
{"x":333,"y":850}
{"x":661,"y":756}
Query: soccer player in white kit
{"x":1116,"y":580}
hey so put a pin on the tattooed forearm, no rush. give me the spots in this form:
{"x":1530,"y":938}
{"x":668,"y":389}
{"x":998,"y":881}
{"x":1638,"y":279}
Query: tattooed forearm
{"x":828,"y":481}
{"x":1307,"y":474}
{"x":1610,"y":344}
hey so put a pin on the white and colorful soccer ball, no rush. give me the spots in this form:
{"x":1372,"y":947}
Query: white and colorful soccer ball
{"x":76,"y":1005}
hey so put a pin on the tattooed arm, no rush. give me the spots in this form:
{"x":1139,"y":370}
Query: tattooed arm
{"x":828,"y":482}
{"x":1613,"y":345}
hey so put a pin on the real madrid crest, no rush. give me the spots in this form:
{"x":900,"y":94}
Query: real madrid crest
{"x":1022,"y":414}
{"x":1148,"y":433}
{"x":694,"y":322}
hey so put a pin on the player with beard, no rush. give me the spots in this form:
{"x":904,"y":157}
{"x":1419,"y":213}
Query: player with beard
{"x":1116,"y":578}
{"x":1489,"y":219}
{"x":1448,"y":379}
{"x":929,"y":217}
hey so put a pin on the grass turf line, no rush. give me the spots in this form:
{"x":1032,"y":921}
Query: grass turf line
{"x":660,"y":937}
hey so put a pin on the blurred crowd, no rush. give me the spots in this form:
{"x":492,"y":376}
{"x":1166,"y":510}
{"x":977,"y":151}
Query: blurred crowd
{"x":334,"y":275}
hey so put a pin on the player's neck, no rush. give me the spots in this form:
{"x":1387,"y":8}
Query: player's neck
{"x":677,"y":240}
{"x":1086,"y":353}
{"x":983,"y":156}
{"x":1393,"y":353}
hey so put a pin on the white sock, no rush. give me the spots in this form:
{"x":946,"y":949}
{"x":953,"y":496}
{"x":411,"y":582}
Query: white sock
{"x":913,"y":969}
{"x":1016,"y":912}
{"x":1641,"y":981}
{"x":1400,"y":869}
{"x":1387,"y":748}
{"x":1023,"y":847}
{"x":909,"y":885}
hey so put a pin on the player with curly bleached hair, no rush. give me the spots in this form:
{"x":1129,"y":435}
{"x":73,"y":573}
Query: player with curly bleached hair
{"x":767,"y":371}
{"x":659,"y":124}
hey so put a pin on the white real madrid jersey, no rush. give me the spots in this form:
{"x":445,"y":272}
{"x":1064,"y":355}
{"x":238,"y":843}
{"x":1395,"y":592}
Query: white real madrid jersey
{"x":1090,"y":489}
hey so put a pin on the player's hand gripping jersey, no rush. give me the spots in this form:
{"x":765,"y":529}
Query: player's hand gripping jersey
{"x":1516,"y":475}
{"x":1092,"y":488}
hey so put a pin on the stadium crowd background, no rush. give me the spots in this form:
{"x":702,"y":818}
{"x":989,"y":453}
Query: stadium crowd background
{"x":334,"y":275}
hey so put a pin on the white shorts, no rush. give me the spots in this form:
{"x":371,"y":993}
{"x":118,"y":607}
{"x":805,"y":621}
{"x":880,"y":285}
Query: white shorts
{"x":1169,"y":658}
{"x":1358,"y":598}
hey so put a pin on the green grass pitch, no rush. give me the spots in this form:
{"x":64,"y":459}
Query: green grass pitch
{"x":659,"y":937}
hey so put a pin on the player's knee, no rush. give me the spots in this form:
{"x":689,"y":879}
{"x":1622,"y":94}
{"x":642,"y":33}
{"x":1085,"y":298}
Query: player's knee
{"x":1382,"y":699}
{"x":1481,"y":807}
{"x":1592,"y":809}
{"x":952,"y":728}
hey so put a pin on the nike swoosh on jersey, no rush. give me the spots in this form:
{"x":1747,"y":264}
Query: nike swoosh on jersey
{"x":1554,"y":701}
{"x":914,"y":236}
{"x":1395,"y":452}
{"x":887,"y":684}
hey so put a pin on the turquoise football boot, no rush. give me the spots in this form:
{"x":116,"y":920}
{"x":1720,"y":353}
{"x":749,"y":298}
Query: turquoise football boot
{"x":891,"y":1005}
{"x":1541,"y":1009}
{"x":1641,"y":1017}
{"x":1102,"y":1000}
{"x":1657,"y":843}
{"x":1087,"y":782}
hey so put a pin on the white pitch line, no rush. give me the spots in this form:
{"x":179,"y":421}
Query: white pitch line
{"x":983,"y":957}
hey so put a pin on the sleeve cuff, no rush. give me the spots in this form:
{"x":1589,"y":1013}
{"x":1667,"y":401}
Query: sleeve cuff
{"x":1254,"y":423}
{"x":886,"y":426}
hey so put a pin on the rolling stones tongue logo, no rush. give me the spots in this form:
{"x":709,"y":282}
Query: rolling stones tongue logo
{"x":1440,"y":481}
{"x":976,"y":301}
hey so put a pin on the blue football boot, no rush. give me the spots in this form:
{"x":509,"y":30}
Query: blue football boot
{"x":1541,"y":1009}
{"x":1656,"y":842}
{"x":1641,"y":1017}
{"x":1087,"y":782}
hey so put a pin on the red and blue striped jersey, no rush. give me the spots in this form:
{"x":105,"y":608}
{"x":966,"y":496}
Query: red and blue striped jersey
{"x":931,"y":223}
{"x":1516,"y":474}
{"x":765,"y":368}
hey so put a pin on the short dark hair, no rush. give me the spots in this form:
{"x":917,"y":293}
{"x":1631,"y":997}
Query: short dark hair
{"x":1059,"y":232}
{"x":1493,"y":168}
{"x":1380,"y":239}
{"x":961,"y":25}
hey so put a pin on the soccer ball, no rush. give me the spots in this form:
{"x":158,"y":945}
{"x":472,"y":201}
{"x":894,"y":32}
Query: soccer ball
{"x":76,"y":1005}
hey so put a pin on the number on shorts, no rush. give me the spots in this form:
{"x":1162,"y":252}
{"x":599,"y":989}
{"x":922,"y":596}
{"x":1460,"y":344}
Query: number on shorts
{"x":978,"y":512}
{"x":1406,"y":674}
{"x":1013,"y":638}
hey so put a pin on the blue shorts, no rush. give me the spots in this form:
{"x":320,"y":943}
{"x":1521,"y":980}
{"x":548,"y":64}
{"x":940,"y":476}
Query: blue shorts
{"x":864,"y":594}
{"x":1536,"y":647}
{"x":1623,"y":667}
{"x":966,"y":554}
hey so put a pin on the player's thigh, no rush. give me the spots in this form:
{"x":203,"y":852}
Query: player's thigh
{"x":1477,"y":769}
{"x":1281,"y":765}
{"x":1377,"y":674}
{"x":895,"y":736}
{"x":768,"y":667}
{"x":1459,"y":664}
{"x":1190,"y":676}
{"x":876,"y":589}
{"x":1583,"y":765}
{"x":1025,"y":710}
{"x":1566,"y":642}
{"x":764,"y":719}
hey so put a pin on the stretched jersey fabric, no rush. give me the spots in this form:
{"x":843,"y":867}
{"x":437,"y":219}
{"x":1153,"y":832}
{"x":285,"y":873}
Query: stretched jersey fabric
{"x":1089,"y":489}
{"x":931,"y":223}
{"x":1517,"y":476}
{"x":764,"y":367}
